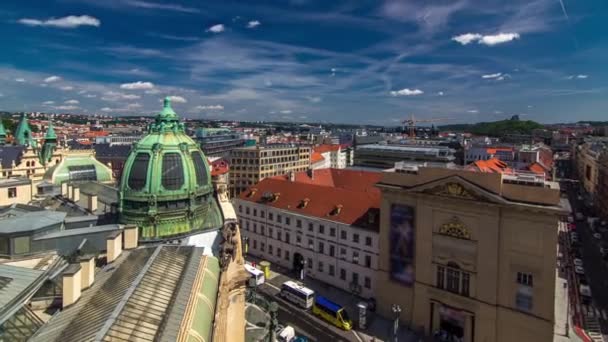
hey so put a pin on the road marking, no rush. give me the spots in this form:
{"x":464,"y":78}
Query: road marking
{"x":271,"y":285}
{"x":598,"y":313}
{"x":604,"y":316}
{"x":357,"y":336}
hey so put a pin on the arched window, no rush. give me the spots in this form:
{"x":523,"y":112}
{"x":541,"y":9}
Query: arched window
{"x":199,"y":168}
{"x":138,"y":174}
{"x":173,"y":171}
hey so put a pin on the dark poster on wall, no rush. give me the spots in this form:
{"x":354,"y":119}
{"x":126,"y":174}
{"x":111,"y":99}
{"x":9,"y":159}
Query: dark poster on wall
{"x":402,"y":244}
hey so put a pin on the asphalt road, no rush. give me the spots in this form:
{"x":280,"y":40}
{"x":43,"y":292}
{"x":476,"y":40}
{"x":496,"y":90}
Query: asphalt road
{"x":596,"y":269}
{"x":303,"y":321}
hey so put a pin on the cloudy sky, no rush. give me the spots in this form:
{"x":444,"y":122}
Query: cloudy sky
{"x":352,"y":61}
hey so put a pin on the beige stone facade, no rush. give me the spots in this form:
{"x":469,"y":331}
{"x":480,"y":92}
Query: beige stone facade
{"x":15,"y":190}
{"x":587,"y":165}
{"x":470,"y":253}
{"x":30,"y":167}
{"x":249,"y":165}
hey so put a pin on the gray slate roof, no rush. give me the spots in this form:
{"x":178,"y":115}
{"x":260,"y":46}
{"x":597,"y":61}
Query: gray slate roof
{"x":14,"y":280}
{"x":9,"y":153}
{"x":14,"y":221}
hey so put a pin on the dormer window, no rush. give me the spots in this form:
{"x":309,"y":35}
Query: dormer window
{"x":304,"y":203}
{"x":252,"y":192}
{"x":336,"y":211}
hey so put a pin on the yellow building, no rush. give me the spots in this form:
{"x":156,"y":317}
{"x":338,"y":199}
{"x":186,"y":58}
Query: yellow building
{"x":15,"y":190}
{"x":586,"y":158}
{"x":469,"y":253}
{"x":249,"y":165}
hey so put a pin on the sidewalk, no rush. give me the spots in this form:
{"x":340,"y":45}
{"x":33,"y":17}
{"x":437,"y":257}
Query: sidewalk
{"x":378,"y":328}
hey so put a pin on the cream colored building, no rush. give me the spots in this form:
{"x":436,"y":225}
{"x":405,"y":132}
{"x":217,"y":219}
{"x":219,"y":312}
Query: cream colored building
{"x":470,"y":253}
{"x":15,"y":190}
{"x":249,"y":165}
{"x":587,"y":163}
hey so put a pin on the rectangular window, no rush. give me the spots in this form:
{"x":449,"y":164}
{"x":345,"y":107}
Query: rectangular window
{"x":355,"y":278}
{"x":286,"y":255}
{"x":332,"y":270}
{"x":279,"y":235}
{"x":368,"y":240}
{"x":523,"y":298}
{"x":279,"y":252}
{"x":255,"y":212}
{"x":247,"y":225}
{"x":321,"y":229}
{"x":320,"y":266}
{"x":309,"y":262}
{"x":255,"y":244}
{"x":270,"y":249}
{"x":453,"y":282}
{"x":342,"y":274}
{"x":465,"y":284}
{"x":525,"y":279}
{"x":269,"y":231}
{"x":343,"y":252}
{"x":440,"y":277}
{"x":356,"y":238}
{"x":12,"y":192}
{"x":367,"y":282}
{"x":271,"y":216}
{"x":287,"y":237}
{"x":240,"y":208}
{"x":343,"y":235}
{"x":311,"y":244}
{"x":279,"y":219}
{"x":262,"y":214}
{"x":298,"y":239}
{"x":368,"y":261}
{"x":321,"y":248}
{"x":247,"y":210}
{"x":332,"y":232}
{"x":262,"y":247}
{"x":21,"y":244}
{"x":355,"y":257}
{"x":332,"y":250}
{"x":310,"y":227}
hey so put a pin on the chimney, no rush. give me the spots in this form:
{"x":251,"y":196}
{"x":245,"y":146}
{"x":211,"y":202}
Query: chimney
{"x":64,"y":189}
{"x":292,"y":176}
{"x":70,"y":192}
{"x":71,"y":284}
{"x":92,"y":203}
{"x":113,"y":246}
{"x":87,"y":270}
{"x":76,"y":194}
{"x":130,"y":236}
{"x":311,"y":173}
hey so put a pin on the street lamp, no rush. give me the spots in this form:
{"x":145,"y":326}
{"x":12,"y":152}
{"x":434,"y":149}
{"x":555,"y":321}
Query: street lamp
{"x":396,"y":312}
{"x":302,"y":269}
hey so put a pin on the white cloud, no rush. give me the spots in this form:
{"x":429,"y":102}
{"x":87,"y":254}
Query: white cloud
{"x":133,"y":105}
{"x":137,"y":85}
{"x":333,"y":71}
{"x":440,"y":93}
{"x":161,"y":6}
{"x":498,"y":38}
{"x":496,"y":75}
{"x":467,"y":38}
{"x":90,"y":96}
{"x":177,"y":99}
{"x":210,"y":107}
{"x":407,"y":92}
{"x":152,"y":91}
{"x":490,"y":40}
{"x":581,"y":77}
{"x":286,"y":111}
{"x":216,"y":28}
{"x":52,"y":79}
{"x":253,"y":24}
{"x":473,"y":111}
{"x":313,"y":99}
{"x":106,"y":109}
{"x":66,"y":88}
{"x":117,"y":96}
{"x":72,"y":102}
{"x":20,"y":80}
{"x":71,"y":21}
{"x":66,"y":107}
{"x":48,"y":103}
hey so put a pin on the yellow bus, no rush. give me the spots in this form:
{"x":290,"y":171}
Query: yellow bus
{"x":332,"y":312}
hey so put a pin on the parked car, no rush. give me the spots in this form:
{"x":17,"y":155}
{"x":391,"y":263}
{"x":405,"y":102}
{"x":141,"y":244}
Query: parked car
{"x":579,"y":270}
{"x":578,"y":262}
{"x":579,"y":217}
{"x":597,"y":236}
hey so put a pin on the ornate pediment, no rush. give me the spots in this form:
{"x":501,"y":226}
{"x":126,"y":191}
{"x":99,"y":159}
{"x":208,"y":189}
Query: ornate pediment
{"x":453,"y":189}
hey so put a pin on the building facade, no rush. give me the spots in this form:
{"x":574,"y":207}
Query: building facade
{"x":334,"y":154}
{"x":385,"y":156}
{"x":217,"y":142}
{"x":324,"y":226}
{"x":15,"y":190}
{"x":249,"y":165}
{"x":470,"y":253}
{"x":586,"y":159}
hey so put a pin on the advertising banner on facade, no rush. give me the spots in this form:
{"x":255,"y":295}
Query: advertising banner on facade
{"x":402,"y":244}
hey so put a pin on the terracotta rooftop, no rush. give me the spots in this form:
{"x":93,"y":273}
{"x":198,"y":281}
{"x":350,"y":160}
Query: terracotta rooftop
{"x":316,"y":157}
{"x":495,"y":149}
{"x":349,"y":197}
{"x":218,"y":167}
{"x":327,"y":148}
{"x":537,"y":168}
{"x":493,"y":165}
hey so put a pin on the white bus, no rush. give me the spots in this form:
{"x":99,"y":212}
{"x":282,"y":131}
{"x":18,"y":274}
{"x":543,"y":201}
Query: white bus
{"x":256,"y":274}
{"x":297,"y":294}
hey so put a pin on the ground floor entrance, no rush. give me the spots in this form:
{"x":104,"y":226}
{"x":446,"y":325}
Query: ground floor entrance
{"x":451,"y":324}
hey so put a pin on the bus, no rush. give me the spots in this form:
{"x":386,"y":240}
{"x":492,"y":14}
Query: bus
{"x":297,"y":294}
{"x":332,"y":312}
{"x":258,"y":275}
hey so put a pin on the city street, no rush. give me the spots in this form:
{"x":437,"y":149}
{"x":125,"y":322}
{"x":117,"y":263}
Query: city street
{"x":596,"y":270}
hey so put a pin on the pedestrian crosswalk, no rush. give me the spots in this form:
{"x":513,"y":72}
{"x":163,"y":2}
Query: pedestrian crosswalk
{"x":592,"y":325}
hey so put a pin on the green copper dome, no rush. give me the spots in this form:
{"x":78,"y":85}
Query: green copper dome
{"x":166,"y":187}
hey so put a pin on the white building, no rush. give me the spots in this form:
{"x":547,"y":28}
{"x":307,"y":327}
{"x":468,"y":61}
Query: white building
{"x":334,"y":154}
{"x":324,"y":221}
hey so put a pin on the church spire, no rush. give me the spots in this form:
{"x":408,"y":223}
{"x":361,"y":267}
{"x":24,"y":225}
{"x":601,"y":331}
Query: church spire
{"x":23,"y":133}
{"x":2,"y":133}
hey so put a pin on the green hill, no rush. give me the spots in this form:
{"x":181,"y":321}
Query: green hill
{"x":495,"y":128}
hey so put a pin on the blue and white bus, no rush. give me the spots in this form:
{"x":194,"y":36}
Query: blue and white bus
{"x":297,"y":294}
{"x":258,"y":275}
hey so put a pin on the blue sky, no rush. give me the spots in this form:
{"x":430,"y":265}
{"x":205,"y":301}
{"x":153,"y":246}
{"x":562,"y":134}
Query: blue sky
{"x":356,"y":61}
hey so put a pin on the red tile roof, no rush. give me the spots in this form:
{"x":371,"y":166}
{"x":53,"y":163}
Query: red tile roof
{"x":327,"y":148}
{"x":537,"y":168}
{"x":219,"y":167}
{"x":338,"y":178}
{"x":348,"y":206}
{"x":316,"y":157}
{"x":493,"y":165}
{"x":493,"y":150}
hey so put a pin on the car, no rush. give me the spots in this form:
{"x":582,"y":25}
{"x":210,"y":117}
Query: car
{"x":578,"y":262}
{"x":597,"y":236}
{"x":570,"y":219}
{"x":579,"y":270}
{"x":579,"y":216}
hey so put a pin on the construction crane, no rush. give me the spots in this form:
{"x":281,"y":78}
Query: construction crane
{"x":412,"y":121}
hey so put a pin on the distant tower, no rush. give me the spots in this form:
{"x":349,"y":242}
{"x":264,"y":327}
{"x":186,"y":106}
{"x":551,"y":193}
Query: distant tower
{"x":50,"y":143}
{"x":23,"y":133}
{"x":2,"y":133}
